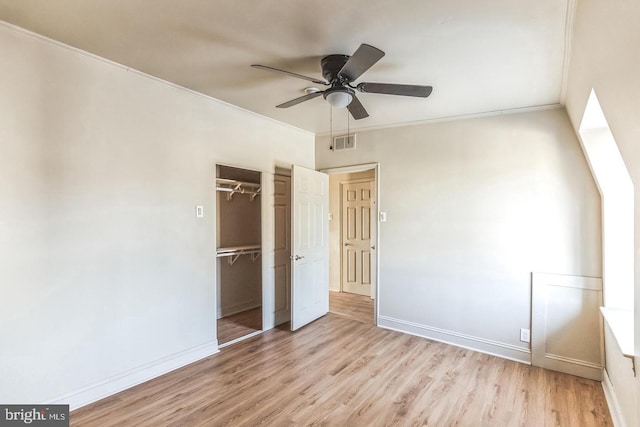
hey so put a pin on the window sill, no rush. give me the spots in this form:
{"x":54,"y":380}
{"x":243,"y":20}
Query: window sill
{"x":621,"y":324}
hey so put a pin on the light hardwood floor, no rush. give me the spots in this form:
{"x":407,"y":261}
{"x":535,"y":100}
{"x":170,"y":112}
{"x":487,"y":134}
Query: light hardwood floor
{"x":352,"y":306}
{"x":239,"y":324}
{"x":342,"y":372}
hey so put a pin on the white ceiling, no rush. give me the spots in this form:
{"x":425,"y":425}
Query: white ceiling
{"x":479,"y":56}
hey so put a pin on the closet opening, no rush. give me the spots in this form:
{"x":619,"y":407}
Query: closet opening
{"x":239,"y":249}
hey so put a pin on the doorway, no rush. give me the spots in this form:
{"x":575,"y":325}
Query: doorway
{"x":353,"y":241}
{"x":239,"y":246}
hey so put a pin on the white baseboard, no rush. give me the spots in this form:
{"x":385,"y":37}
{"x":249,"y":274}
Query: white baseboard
{"x":136,"y":376}
{"x":612,"y":401}
{"x":577,"y":367}
{"x":238,"y":308}
{"x":482,"y":345}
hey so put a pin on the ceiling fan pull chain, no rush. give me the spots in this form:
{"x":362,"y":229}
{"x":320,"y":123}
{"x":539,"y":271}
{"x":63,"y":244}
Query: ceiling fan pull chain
{"x":348,"y":124}
{"x":331,"y":126}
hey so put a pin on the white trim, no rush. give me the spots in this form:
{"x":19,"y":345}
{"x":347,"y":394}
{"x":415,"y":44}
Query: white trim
{"x":60,"y":44}
{"x":118,"y":383}
{"x":242,"y":338}
{"x":612,"y":401}
{"x":568,"y":38}
{"x":470,"y":342}
{"x":239,"y":308}
{"x":587,"y":283}
{"x":350,"y":169}
{"x":569,"y":365}
{"x":620,"y":323}
{"x":579,"y":362}
{"x":492,"y":113}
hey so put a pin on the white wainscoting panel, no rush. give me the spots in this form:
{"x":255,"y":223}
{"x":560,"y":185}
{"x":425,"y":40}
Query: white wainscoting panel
{"x":566,"y":326}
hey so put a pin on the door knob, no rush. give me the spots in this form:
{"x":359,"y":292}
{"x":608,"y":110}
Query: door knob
{"x":298,"y":257}
{"x":373,"y":247}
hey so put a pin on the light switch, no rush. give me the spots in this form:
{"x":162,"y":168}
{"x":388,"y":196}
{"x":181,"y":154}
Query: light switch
{"x":383,"y":217}
{"x":330,"y":216}
{"x":199,"y":211}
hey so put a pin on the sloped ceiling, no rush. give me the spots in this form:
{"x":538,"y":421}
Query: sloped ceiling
{"x":480,"y":57}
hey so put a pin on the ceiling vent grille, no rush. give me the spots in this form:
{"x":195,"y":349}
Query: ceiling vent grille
{"x":344,"y":142}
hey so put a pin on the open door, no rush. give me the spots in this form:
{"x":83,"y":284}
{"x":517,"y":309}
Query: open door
{"x":309,"y":246}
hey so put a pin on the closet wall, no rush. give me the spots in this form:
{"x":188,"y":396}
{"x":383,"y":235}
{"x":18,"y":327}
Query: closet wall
{"x":239,"y":278}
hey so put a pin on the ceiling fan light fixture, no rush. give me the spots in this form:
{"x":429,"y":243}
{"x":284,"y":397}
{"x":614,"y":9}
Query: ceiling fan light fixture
{"x":338,"y":97}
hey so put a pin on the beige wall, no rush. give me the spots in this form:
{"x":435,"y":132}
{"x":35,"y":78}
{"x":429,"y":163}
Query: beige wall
{"x":104,"y":269}
{"x":335,"y":208}
{"x":604,"y":56}
{"x":473,"y":207}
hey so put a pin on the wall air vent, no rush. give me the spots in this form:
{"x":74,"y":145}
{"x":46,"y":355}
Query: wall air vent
{"x":344,"y":142}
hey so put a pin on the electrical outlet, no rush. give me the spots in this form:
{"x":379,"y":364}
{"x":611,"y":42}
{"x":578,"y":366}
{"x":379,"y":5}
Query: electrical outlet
{"x":525,"y":335}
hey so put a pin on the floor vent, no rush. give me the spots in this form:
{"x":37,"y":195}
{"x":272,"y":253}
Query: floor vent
{"x":344,"y":142}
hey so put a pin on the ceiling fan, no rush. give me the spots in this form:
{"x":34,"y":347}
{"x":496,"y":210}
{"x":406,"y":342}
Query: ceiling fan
{"x":340,"y":71}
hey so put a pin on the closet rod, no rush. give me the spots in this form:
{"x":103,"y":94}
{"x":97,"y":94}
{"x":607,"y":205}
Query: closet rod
{"x":225,"y":181}
{"x":234,"y":252}
{"x":237,"y":190}
{"x":232,"y":186}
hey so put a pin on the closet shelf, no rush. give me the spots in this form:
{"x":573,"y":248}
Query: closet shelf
{"x":234,"y":252}
{"x":232,"y":186}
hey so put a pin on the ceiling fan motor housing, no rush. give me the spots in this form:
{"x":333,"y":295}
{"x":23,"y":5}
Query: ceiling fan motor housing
{"x":331,"y":66}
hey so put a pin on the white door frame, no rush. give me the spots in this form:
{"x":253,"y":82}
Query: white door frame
{"x":376,"y":182}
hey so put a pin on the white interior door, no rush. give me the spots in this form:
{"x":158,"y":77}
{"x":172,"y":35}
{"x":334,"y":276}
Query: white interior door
{"x":356,"y":237}
{"x":309,"y":246}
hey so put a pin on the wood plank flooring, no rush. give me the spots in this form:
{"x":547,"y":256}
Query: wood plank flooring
{"x":351,"y":306}
{"x":239,"y":324}
{"x":342,"y":372}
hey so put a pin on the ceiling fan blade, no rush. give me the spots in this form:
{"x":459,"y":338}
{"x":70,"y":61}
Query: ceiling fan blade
{"x":360,"y":61}
{"x":357,"y":109}
{"x":289,"y":73}
{"x":299,"y":100}
{"x":394,"y":89}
